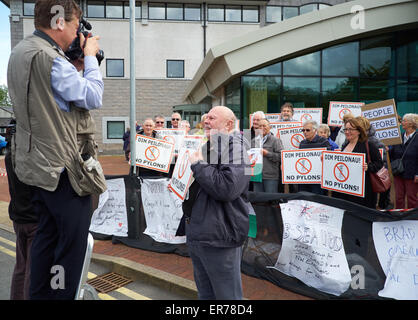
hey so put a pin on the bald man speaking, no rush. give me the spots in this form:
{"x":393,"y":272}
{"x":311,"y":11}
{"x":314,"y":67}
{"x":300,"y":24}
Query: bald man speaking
{"x":218,"y":224}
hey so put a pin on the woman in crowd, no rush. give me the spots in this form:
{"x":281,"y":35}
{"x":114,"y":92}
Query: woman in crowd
{"x":272,"y":148}
{"x":341,"y":138}
{"x":406,"y":184}
{"x":324,"y":131}
{"x":356,"y":140}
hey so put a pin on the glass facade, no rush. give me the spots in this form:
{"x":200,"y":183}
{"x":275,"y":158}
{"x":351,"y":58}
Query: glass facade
{"x":367,"y":70}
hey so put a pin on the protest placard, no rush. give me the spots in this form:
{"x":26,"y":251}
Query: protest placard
{"x":172,"y":135}
{"x":343,"y":172}
{"x":337,"y":110}
{"x":304,"y":114}
{"x":256,"y":163}
{"x":302,"y":166}
{"x":110,"y":217}
{"x":153,"y":153}
{"x":312,"y":247}
{"x":182,"y":173}
{"x":383,"y":117}
{"x":271,"y":117}
{"x":291,"y":137}
{"x":162,"y":210}
{"x":396,"y":246}
{"x":274,"y":126}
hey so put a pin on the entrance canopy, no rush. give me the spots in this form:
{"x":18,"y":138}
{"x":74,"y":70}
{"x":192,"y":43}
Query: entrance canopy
{"x":297,"y":36}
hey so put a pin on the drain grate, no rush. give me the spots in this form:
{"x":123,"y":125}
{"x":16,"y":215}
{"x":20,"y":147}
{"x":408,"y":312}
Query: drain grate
{"x":108,"y":282}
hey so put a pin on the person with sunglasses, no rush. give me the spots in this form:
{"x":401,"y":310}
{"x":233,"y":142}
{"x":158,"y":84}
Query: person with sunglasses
{"x":159,"y":122}
{"x":312,"y":140}
{"x":175,"y":120}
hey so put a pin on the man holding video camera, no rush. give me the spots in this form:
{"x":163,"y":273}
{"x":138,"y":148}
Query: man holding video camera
{"x":53,"y":150}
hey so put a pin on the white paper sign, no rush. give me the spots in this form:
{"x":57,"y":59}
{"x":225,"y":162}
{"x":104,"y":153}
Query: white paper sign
{"x":302,"y":166}
{"x":304,"y":114}
{"x":343,"y":172}
{"x":172,"y":135}
{"x":291,"y":137}
{"x":110,"y":217}
{"x":396,"y":245}
{"x":337,"y":110}
{"x":162,"y":210}
{"x":181,"y":178}
{"x":153,"y":154}
{"x":275,"y":126}
{"x":312,"y":249}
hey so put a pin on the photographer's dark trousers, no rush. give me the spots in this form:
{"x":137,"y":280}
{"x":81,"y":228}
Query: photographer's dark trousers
{"x":60,"y":244}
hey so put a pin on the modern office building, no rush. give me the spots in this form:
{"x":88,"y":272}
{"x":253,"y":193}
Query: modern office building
{"x":249,"y":54}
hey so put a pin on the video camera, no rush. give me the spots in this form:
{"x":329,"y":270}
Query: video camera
{"x":75,"y":52}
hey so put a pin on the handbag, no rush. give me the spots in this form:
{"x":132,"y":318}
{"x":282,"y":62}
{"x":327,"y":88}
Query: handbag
{"x":380,"y":180}
{"x":397,"y":164}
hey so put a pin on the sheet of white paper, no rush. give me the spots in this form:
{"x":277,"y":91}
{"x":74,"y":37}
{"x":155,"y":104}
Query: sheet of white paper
{"x":110,"y":217}
{"x":396,"y":245}
{"x":163,"y":211}
{"x":312,"y":248}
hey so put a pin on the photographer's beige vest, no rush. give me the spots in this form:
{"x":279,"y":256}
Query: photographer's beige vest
{"x":47,"y":140}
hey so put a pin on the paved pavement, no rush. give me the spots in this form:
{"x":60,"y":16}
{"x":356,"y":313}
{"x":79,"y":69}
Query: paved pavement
{"x":169,"y":270}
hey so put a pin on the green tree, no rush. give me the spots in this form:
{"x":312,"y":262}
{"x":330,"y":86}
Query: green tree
{"x":4,"y":97}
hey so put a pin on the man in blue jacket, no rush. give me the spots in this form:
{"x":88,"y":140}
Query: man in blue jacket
{"x":219,"y":223}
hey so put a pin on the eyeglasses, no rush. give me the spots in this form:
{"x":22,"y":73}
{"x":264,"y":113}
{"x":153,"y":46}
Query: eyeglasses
{"x":306,"y":130}
{"x":174,"y":119}
{"x":160,"y":122}
{"x":349,"y":130}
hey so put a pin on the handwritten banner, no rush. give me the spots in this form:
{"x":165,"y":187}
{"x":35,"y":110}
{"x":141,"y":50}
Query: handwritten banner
{"x":312,"y":249}
{"x":110,"y":216}
{"x":162,"y":210}
{"x":396,"y":245}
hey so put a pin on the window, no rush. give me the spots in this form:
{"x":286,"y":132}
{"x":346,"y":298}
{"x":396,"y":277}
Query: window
{"x":192,"y":12}
{"x":115,"y":129}
{"x":127,"y":12}
{"x":175,"y":68}
{"x":376,"y":57}
{"x":216,"y":13}
{"x":273,"y":14}
{"x":156,"y":11}
{"x":115,"y":68}
{"x":233,"y":13}
{"x":114,"y":9}
{"x":308,"y":8}
{"x":29,"y":7}
{"x":174,"y":11}
{"x":341,"y":60}
{"x":302,"y":92}
{"x":96,"y":9}
{"x":290,"y":12}
{"x":305,"y":65}
{"x":250,"y":14}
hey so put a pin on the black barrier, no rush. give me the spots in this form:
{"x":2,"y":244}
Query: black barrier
{"x":262,"y":252}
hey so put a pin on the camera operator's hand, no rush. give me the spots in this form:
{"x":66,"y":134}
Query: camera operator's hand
{"x":89,"y":46}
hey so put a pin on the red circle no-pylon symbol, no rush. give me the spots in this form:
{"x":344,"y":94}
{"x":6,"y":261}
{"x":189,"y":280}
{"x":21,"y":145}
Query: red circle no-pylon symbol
{"x":152,"y":153}
{"x":341,"y":172}
{"x":303,"y":166}
{"x":183,"y":164}
{"x":296,"y":139}
{"x":343,"y":112}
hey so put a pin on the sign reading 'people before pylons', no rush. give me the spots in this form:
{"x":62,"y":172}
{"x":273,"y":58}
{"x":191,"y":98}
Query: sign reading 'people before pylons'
{"x":153,"y":154}
{"x":181,"y":178}
{"x":337,"y":111}
{"x":173,"y":135}
{"x":291,"y":137}
{"x":305,"y":114}
{"x":302,"y":166}
{"x":343,"y":172}
{"x":382,"y":116}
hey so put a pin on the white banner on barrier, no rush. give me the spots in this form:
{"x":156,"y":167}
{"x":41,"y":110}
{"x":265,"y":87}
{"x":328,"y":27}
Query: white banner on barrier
{"x":396,"y":246}
{"x":162,"y":210}
{"x":302,"y":166}
{"x":312,"y":249}
{"x":110,"y":216}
